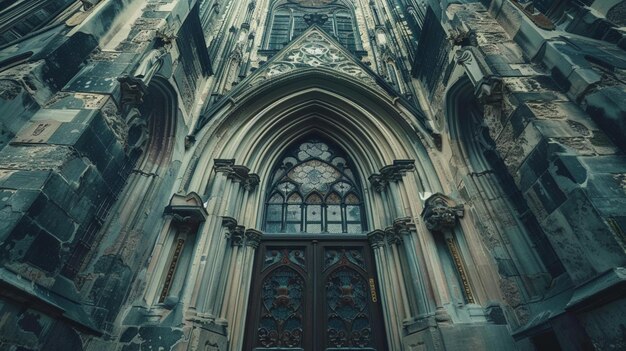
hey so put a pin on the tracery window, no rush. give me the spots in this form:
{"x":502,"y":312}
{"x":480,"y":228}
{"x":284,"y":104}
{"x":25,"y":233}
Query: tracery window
{"x":314,"y":190}
{"x":287,"y":21}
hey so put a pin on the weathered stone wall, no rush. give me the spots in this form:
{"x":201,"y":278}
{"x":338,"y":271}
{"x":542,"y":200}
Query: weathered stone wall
{"x":560,"y":159}
{"x":67,"y":149}
{"x":31,"y":329}
{"x":554,"y":144}
{"x":58,"y":174}
{"x":588,"y":71}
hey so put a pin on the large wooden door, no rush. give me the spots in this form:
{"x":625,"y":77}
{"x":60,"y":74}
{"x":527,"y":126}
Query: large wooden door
{"x":314,"y":295}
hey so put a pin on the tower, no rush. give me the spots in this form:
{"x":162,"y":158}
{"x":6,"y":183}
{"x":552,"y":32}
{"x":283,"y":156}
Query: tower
{"x":312,"y":175}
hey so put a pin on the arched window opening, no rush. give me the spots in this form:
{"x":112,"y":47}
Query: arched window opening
{"x":20,"y":19}
{"x":287,"y":21}
{"x":280,"y":33}
{"x":314,"y":190}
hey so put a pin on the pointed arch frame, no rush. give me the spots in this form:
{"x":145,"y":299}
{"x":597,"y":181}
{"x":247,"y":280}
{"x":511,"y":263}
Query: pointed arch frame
{"x":346,"y":225}
{"x":257,"y":124}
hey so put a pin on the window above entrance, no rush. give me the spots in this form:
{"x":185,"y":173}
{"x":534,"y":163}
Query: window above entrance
{"x":314,"y":190}
{"x":291,"y":18}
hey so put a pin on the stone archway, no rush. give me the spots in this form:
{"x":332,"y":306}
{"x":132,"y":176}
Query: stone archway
{"x":374,"y":129}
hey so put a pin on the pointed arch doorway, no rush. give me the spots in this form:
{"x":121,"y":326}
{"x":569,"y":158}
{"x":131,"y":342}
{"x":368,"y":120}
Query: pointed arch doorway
{"x":314,"y":281}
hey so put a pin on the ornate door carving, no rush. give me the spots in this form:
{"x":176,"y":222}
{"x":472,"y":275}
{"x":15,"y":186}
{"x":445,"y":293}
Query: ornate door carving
{"x":314,"y":295}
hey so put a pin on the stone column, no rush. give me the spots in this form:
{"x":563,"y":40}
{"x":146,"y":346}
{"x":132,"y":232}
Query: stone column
{"x":247,"y":181}
{"x":393,"y":241}
{"x":223,"y":307}
{"x":377,"y":241}
{"x":214,"y":247}
{"x":252,"y":241}
{"x":157,"y":265}
{"x":219,"y":258}
{"x":214,"y":238}
{"x":386,"y":182}
{"x":421,"y":287}
{"x":230,"y":232}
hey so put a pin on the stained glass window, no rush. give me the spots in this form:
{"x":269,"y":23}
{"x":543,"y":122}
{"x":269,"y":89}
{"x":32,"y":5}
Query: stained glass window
{"x":314,"y":190}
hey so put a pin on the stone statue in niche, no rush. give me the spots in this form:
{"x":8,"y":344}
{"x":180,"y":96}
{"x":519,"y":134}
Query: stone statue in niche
{"x":137,"y":131}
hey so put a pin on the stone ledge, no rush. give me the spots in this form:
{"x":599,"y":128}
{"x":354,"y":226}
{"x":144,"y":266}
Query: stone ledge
{"x":26,"y":292}
{"x":604,"y":288}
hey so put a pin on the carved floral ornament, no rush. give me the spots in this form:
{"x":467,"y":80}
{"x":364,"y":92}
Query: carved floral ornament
{"x":392,"y":235}
{"x":314,"y":49}
{"x":441,"y":213}
{"x":239,"y":235}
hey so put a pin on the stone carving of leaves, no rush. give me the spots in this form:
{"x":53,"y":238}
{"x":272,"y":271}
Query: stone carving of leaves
{"x":279,"y":68}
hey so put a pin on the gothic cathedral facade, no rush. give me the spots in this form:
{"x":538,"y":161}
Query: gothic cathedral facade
{"x":312,"y":175}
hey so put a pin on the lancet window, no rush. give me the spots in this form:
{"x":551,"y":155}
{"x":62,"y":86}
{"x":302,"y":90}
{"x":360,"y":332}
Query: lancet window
{"x":314,"y":190}
{"x":291,"y":18}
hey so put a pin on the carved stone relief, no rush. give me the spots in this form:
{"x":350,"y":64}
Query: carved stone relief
{"x":441,"y":213}
{"x":314,"y":49}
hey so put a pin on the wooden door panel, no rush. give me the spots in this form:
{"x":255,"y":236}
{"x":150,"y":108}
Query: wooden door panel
{"x":352,"y":313}
{"x":314,"y":295}
{"x":281,"y":291}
